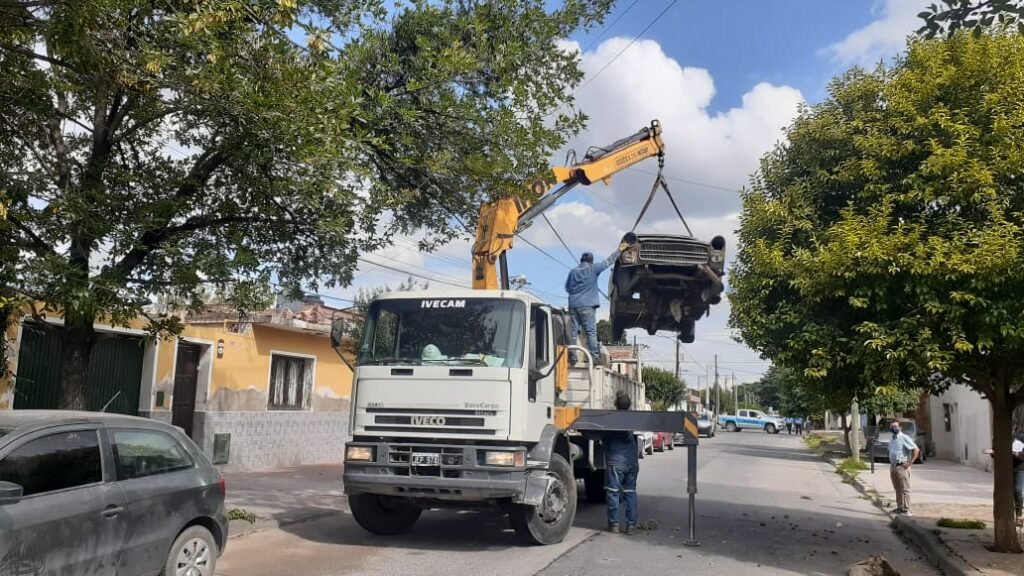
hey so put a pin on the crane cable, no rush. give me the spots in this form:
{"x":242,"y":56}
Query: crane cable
{"x":660,"y":182}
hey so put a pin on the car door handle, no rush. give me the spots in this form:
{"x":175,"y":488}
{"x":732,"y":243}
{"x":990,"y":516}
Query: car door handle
{"x":112,"y":511}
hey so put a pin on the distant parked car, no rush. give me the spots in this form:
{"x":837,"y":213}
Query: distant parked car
{"x":88,"y":493}
{"x":880,"y":449}
{"x":645,"y":442}
{"x":705,"y":427}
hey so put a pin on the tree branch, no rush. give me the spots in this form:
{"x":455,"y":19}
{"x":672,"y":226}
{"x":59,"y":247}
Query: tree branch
{"x":33,"y":54}
{"x":39,"y":246}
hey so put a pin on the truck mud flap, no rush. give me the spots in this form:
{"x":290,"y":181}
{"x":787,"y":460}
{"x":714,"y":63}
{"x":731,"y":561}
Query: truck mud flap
{"x":536,"y":487}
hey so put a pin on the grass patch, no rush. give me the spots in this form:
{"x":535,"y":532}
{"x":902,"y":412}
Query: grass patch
{"x":648,"y":525}
{"x":240,"y":514}
{"x":813,"y":442}
{"x":851,"y":467}
{"x":961,"y":524}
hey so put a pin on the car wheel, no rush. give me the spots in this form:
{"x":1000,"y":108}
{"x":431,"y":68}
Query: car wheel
{"x":194,"y":553}
{"x":383,"y":515}
{"x":770,"y":429}
{"x":731,"y":426}
{"x":550,"y":522}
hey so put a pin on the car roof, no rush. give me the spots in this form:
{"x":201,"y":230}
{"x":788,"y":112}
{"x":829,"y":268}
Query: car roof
{"x":32,"y":418}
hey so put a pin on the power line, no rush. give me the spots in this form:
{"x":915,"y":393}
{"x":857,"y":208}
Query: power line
{"x":685,"y":181}
{"x":610,"y":26}
{"x":557,"y":235}
{"x":631,"y":42}
{"x":544,"y":252}
{"x":413,"y":274}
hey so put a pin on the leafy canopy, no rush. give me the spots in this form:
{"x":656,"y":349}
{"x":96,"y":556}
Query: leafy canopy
{"x":156,"y":147}
{"x":662,"y":387}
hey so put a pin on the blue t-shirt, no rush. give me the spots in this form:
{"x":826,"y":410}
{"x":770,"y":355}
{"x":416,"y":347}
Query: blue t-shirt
{"x":901,"y":448}
{"x":581,"y":284}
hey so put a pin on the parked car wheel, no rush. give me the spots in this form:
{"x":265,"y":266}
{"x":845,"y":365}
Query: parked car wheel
{"x":383,"y":515}
{"x":194,"y":552}
{"x":770,"y":429}
{"x":731,"y":427}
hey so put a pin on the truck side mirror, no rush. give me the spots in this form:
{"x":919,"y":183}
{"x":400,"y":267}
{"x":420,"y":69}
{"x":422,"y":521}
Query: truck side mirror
{"x":10,"y":493}
{"x":338,"y":328}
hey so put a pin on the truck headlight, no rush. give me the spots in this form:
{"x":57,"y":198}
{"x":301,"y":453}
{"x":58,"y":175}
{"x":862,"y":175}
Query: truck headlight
{"x":360,"y":453}
{"x":504,"y":458}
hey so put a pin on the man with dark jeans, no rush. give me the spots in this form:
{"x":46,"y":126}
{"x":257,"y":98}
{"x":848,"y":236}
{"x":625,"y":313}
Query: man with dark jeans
{"x":584,"y":298}
{"x":1018,"y":474}
{"x":621,"y":470}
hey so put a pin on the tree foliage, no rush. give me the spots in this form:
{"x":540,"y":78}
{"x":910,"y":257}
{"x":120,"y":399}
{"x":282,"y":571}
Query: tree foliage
{"x":662,"y":387}
{"x":152,"y":147}
{"x":947,"y":17}
{"x":883,"y":243}
{"x":604,"y":334}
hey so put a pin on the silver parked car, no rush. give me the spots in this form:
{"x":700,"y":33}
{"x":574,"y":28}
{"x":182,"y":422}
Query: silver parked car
{"x":87,"y":493}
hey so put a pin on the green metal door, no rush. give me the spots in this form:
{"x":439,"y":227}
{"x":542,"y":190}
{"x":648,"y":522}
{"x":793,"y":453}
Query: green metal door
{"x":115,"y":372}
{"x":37,"y":380}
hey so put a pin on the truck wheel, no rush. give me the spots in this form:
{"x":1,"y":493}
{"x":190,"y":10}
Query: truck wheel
{"x":770,"y":429}
{"x":549,"y":522}
{"x":383,"y":515}
{"x":730,"y":426}
{"x":593,"y":486}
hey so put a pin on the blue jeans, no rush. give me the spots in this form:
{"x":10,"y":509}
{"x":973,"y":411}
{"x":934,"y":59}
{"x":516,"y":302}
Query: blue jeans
{"x":620,"y":484}
{"x":585,"y":318}
{"x":1018,"y":492}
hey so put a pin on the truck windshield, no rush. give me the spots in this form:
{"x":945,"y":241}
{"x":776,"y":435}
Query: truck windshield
{"x":440,"y":331}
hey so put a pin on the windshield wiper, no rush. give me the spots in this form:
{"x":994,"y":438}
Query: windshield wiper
{"x":388,"y":360}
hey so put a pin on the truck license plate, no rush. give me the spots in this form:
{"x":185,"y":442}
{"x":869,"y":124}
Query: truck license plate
{"x":425,"y":459}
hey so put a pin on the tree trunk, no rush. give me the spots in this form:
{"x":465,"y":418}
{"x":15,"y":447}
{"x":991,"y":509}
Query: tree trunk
{"x":1002,"y":495}
{"x":77,"y":339}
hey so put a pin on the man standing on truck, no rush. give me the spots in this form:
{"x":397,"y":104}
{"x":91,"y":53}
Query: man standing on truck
{"x":584,"y":298}
{"x":621,"y":469}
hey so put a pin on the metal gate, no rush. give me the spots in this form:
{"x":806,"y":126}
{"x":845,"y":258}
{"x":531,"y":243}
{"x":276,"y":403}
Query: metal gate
{"x":114,"y":379}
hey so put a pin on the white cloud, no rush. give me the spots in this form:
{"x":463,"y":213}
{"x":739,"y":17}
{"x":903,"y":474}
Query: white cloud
{"x":882,"y":38}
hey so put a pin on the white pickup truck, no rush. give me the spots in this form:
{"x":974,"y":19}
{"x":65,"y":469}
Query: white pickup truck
{"x":751,"y":419}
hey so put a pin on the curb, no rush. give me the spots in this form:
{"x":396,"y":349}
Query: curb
{"x":937,"y":552}
{"x":238,"y":528}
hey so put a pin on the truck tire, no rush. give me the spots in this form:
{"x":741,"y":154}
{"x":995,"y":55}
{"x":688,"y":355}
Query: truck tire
{"x":383,"y":515}
{"x":593,"y":486}
{"x":770,"y":429}
{"x":548,"y":523}
{"x":731,"y":426}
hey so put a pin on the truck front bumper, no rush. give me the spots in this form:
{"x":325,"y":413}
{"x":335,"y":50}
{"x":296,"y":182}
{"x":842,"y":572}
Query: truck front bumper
{"x":459,"y":477}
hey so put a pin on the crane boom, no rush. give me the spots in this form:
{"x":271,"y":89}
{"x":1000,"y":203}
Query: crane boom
{"x":500,"y":220}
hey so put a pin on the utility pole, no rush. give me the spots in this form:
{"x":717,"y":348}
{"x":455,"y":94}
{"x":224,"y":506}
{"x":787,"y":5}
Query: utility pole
{"x":735,"y":398}
{"x":718,"y":393}
{"x":855,"y":431}
{"x":677,"y":358}
{"x":707,"y":386}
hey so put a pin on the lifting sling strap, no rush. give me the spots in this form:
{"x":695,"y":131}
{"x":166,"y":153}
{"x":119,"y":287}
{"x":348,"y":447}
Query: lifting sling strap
{"x":660,"y":182}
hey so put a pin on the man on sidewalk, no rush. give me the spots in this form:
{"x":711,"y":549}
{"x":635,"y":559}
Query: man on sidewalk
{"x":584,"y":298}
{"x":903,"y":452}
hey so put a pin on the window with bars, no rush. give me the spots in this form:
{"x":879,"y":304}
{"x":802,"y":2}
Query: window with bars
{"x":291,"y":382}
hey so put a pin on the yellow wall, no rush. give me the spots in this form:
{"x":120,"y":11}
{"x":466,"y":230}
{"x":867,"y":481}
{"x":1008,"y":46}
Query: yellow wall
{"x":240,"y":379}
{"x":6,"y":388}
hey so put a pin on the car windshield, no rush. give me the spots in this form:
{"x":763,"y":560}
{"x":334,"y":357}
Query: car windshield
{"x":444,"y":331}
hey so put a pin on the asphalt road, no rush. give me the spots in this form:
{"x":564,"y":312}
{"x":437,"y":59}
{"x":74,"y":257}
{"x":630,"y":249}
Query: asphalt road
{"x":764,"y":506}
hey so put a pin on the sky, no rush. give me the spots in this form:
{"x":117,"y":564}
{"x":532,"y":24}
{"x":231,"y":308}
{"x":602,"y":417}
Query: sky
{"x":724,"y":79}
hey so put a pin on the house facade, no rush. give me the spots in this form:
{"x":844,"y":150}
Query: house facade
{"x":260,"y":392}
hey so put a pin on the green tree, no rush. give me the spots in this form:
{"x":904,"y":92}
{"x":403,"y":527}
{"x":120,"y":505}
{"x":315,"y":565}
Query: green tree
{"x":365,"y":296}
{"x":949,"y":16}
{"x":604,"y":334}
{"x":151,"y":147}
{"x":882,"y":243}
{"x":662,"y":387}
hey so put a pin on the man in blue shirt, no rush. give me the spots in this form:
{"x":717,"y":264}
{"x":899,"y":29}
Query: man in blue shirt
{"x":584,"y":298}
{"x":621,"y":469}
{"x":903,"y":452}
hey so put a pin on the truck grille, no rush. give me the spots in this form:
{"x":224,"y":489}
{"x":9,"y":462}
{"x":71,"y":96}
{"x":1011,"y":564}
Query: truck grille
{"x":453,"y":421}
{"x":451,"y":460}
{"x":674,"y":252}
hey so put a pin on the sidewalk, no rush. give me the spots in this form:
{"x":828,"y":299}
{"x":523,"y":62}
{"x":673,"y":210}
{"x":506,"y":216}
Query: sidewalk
{"x":946,"y":489}
{"x":284,"y":496}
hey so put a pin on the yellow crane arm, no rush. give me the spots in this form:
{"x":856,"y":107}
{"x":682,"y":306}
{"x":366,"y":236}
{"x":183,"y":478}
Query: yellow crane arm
{"x":500,"y":220}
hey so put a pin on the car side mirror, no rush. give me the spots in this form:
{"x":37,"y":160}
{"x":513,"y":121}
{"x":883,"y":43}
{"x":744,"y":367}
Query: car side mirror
{"x":338,"y":329}
{"x":10,"y":493}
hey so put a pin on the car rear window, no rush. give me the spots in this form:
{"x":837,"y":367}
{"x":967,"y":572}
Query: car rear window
{"x":55,"y":462}
{"x":141,"y":453}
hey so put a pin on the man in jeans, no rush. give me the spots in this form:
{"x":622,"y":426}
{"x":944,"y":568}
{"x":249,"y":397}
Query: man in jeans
{"x":584,"y":298}
{"x":903,"y":452}
{"x":621,"y":468}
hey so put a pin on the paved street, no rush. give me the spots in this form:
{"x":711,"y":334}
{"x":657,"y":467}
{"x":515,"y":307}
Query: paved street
{"x":765,"y":506}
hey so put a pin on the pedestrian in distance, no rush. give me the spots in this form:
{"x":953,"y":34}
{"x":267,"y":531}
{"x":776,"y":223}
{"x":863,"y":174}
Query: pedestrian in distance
{"x":903,"y":452}
{"x":1017,"y":449}
{"x":789,"y":425}
{"x":621,"y":469}
{"x":584,"y":298}
{"x":798,"y":423}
